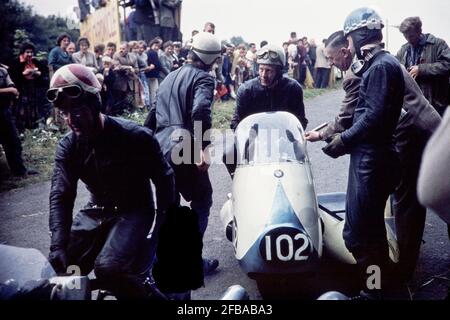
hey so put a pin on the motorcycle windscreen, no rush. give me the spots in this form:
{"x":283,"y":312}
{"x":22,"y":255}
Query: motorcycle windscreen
{"x":270,"y":137}
{"x":23,"y":264}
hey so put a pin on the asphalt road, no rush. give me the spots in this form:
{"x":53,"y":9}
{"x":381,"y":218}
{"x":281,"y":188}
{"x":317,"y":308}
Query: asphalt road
{"x":24,"y":221}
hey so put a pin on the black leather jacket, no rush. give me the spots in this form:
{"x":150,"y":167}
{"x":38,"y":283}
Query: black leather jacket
{"x":252,"y":97}
{"x":184,"y":97}
{"x":380,"y":102}
{"x":116,"y":169}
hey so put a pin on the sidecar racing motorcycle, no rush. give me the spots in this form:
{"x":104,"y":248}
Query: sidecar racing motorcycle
{"x":273,"y":217}
{"x":26,"y":274}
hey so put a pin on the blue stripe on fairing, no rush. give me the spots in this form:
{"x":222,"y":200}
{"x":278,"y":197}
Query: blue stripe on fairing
{"x":282,"y":215}
{"x":282,"y":211}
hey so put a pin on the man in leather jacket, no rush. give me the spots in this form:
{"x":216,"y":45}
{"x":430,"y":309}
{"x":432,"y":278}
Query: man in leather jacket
{"x":270,"y":91}
{"x":183,"y":111}
{"x":374,"y":164}
{"x":115,"y":159}
{"x":416,"y":125}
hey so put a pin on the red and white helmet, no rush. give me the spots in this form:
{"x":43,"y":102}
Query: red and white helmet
{"x":76,"y":74}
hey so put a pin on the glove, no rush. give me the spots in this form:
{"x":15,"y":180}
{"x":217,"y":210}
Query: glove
{"x":58,"y":260}
{"x":336,"y":147}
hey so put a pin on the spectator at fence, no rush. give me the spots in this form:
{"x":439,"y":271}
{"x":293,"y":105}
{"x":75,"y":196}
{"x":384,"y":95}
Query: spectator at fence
{"x":125,"y":69}
{"x":178,"y":60}
{"x":153,"y":73}
{"x":166,"y":60}
{"x":111,"y":49}
{"x":59,"y":55}
{"x":99,"y":50}
{"x":84,"y":56}
{"x":322,"y":68}
{"x":71,"y":49}
{"x":31,"y":79}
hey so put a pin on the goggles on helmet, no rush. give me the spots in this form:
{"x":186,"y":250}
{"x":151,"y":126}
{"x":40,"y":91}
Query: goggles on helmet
{"x":270,"y":55}
{"x":72,"y":91}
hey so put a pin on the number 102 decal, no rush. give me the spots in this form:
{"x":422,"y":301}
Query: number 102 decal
{"x":286,"y":247}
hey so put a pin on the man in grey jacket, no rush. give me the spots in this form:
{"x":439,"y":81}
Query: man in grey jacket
{"x":427,"y":59}
{"x":413,"y":130}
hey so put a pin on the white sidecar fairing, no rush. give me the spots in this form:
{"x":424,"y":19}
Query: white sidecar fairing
{"x":272,"y":210}
{"x":332,"y":213}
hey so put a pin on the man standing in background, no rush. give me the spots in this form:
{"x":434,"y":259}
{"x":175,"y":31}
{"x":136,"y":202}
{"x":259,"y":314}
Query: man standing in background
{"x":427,"y":58}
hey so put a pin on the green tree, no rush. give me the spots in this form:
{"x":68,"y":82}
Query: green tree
{"x":19,"y":22}
{"x":20,"y":36}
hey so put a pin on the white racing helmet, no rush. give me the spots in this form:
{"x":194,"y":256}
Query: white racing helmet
{"x":207,"y":47}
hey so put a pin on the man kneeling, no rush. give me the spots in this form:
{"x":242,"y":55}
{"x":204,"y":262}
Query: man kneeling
{"x":116,"y":159}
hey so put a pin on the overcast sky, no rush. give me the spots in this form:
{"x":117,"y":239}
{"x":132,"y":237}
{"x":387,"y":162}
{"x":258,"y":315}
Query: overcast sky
{"x":273,"y":20}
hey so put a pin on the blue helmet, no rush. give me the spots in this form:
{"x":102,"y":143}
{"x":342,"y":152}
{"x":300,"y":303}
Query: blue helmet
{"x":362,"y":18}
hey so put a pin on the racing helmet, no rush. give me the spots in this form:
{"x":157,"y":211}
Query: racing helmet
{"x":74,"y":80}
{"x":362,"y":18}
{"x":207,"y":47}
{"x":364,"y":26}
{"x":272,"y":55}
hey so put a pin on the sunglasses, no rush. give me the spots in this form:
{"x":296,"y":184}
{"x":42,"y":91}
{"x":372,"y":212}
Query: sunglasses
{"x":72,"y":91}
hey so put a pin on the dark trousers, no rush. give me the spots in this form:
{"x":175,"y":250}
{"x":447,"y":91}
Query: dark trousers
{"x":195,"y":187}
{"x":322,"y":77}
{"x":85,"y":9}
{"x":9,"y":139}
{"x":373,"y":175}
{"x":409,"y":213}
{"x":131,"y":33}
{"x":302,"y":74}
{"x":148,"y":32}
{"x":169,"y":34}
{"x":115,"y":246}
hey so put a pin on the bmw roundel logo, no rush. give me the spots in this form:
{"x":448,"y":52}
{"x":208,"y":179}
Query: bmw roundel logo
{"x":278,"y":173}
